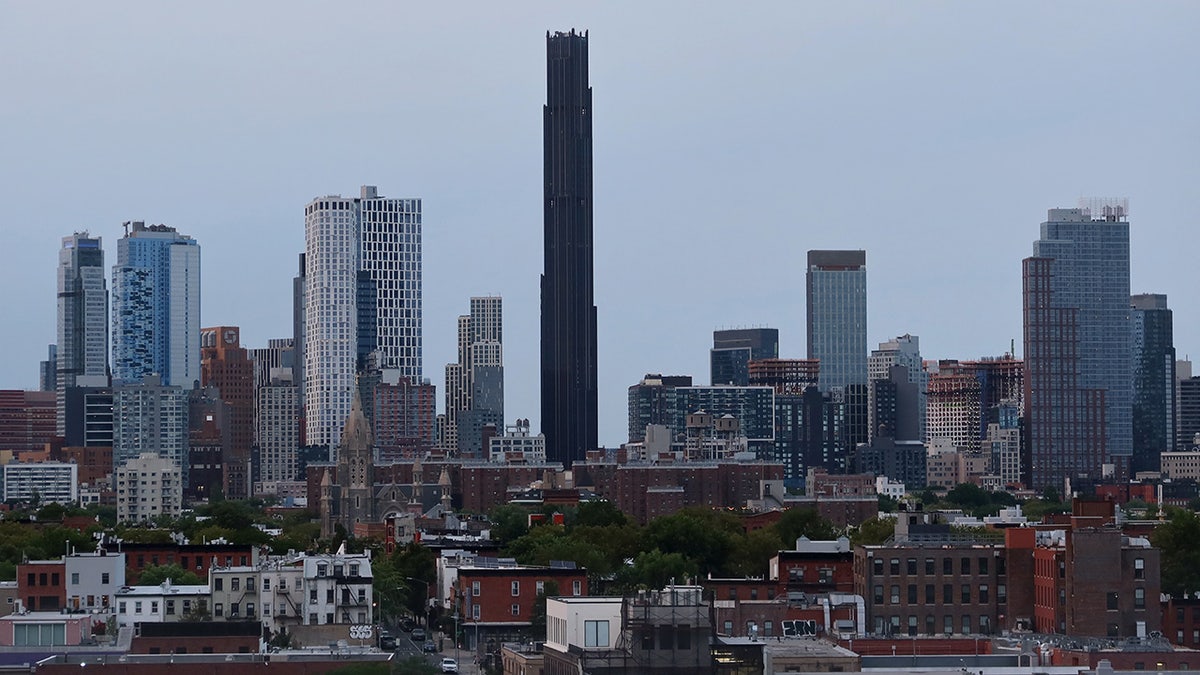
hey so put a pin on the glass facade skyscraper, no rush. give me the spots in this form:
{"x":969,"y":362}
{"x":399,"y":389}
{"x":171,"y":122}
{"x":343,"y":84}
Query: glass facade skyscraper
{"x":81,"y":354}
{"x":1153,"y":381}
{"x":1078,"y":351}
{"x":569,"y":404}
{"x":156,"y":306}
{"x":837,"y":316}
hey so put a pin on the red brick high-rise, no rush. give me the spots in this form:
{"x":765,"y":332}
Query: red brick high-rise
{"x":226,"y":365}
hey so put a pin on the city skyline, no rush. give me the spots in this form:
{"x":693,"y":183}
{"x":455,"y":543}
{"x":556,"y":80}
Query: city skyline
{"x":965,"y":184}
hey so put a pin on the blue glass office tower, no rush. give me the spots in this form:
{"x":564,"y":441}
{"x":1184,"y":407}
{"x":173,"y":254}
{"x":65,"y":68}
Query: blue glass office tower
{"x":837,"y":317}
{"x":1078,"y":352}
{"x":156,"y":306}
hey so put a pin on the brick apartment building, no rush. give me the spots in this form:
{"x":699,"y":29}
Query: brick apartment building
{"x":932,"y":587}
{"x":499,"y":600}
{"x":40,"y":585}
{"x":197,"y":558}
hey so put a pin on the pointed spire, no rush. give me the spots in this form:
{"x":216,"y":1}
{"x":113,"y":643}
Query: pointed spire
{"x":357,"y":433}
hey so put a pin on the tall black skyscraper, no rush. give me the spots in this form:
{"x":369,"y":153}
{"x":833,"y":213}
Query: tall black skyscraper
{"x":568,"y":311}
{"x":1153,"y":381}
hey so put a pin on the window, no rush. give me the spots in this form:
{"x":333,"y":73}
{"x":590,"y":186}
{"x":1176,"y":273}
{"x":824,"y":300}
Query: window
{"x":929,"y":624}
{"x":516,"y":610}
{"x":337,"y":570}
{"x":250,"y":610}
{"x":234,"y":609}
{"x":879,"y":594}
{"x":137,"y":607}
{"x":895,"y":595}
{"x":733,"y":593}
{"x":983,"y":594}
{"x":475,"y":612}
{"x":929,"y":566}
{"x":1001,"y":593}
{"x":930,"y":594}
{"x":595,"y":633}
{"x":312,"y":618}
{"x":235,"y":584}
{"x":947,"y":593}
{"x":74,"y":578}
{"x":965,"y":565}
{"x":516,"y":588}
{"x":966,"y":619}
{"x":170,"y":607}
{"x":475,"y":589}
{"x":219,"y":583}
{"x":666,"y":637}
{"x":329,"y":595}
{"x":219,"y":609}
{"x":104,"y":578}
{"x":577,"y":587}
{"x":768,"y":630}
{"x":894,"y":567}
{"x":187,"y":606}
{"x":912,"y":624}
{"x":312,"y":596}
{"x":250,"y":584}
{"x":539,"y":587}
{"x":911,"y":566}
{"x":362,"y":595}
{"x":266,"y":583}
{"x":323,"y":570}
{"x":947,"y":565}
{"x":121,"y":607}
{"x":328,"y":617}
{"x":1139,"y":568}
{"x":1111,"y":600}
{"x":878,"y":565}
{"x":1139,"y":598}
{"x":912,"y":595}
{"x":966,"y":592}
{"x":353,"y":569}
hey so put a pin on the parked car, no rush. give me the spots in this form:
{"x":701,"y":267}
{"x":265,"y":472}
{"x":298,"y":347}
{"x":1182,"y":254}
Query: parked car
{"x":449,"y":665}
{"x":418,"y":635}
{"x":429,"y":647}
{"x":387,"y":641}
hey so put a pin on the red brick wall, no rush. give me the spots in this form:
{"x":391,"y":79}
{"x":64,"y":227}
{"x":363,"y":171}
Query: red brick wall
{"x":496,"y":599}
{"x":41,"y":586}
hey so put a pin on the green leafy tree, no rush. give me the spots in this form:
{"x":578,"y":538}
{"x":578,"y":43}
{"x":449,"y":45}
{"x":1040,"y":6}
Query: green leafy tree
{"x":51,"y":512}
{"x":873,"y":532}
{"x":156,"y":574}
{"x":704,"y":536}
{"x":753,"y":554}
{"x":600,"y":513}
{"x":655,"y":569}
{"x":1176,"y":539}
{"x":888,"y":504}
{"x":804,"y":522}
{"x":509,"y":522}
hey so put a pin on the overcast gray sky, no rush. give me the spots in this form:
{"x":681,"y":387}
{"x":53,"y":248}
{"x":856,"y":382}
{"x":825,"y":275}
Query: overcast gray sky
{"x":730,"y":138}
